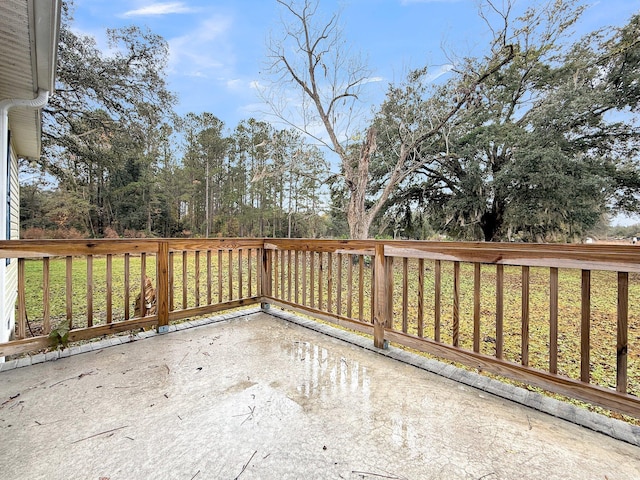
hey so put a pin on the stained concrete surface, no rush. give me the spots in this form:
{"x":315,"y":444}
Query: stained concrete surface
{"x":260,"y":398}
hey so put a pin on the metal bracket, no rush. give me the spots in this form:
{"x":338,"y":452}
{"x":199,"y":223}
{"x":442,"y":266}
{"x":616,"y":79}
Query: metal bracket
{"x":163,"y":329}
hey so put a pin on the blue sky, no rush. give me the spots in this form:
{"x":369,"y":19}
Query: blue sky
{"x":218,"y":47}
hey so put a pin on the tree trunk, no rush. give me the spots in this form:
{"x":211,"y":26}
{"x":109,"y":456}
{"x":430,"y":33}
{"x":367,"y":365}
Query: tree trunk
{"x":358,"y":218}
{"x":492,"y":222}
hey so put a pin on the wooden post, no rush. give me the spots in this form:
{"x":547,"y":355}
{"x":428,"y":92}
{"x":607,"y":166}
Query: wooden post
{"x":162,"y":286}
{"x":265,"y":283}
{"x":381,"y":307}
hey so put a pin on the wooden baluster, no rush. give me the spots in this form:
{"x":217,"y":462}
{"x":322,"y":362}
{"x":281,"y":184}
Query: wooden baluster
{"x":622,"y":336}
{"x":350,"y":258}
{"x":259,"y":269}
{"x":421,"y":297}
{"x":320,"y":282}
{"x":553,"y":320}
{"x":219,"y":276}
{"x":21,"y":328}
{"x":46,"y":295}
{"x":289,"y":275}
{"x":525,"y":317}
{"x":304,"y":278}
{"x":312,"y":279}
{"x":372,"y":302}
{"x":240,"y":275}
{"x":196,"y":274}
{"x":249,"y":278}
{"x":329,"y":282}
{"x":282,"y":275}
{"x":476,"y":307}
{"x":110,"y":288}
{"x":275,"y":273}
{"x":339,"y":287}
{"x":585,"y":327}
{"x":230,"y":271}
{"x":127,"y":287}
{"x":296,"y":276}
{"x":185,"y":279}
{"x":361,"y":287}
{"x":69,"y":291}
{"x":209,"y":278}
{"x":499,"y":310}
{"x":456,"y":304}
{"x":437,"y":291}
{"x":388,"y":298}
{"x":171,"y":283}
{"x":89,"y":290}
{"x":405,"y":295}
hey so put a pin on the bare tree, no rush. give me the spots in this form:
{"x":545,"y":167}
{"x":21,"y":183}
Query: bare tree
{"x":313,"y":57}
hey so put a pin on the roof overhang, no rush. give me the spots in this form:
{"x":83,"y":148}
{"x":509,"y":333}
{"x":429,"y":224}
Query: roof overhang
{"x":29,"y":31}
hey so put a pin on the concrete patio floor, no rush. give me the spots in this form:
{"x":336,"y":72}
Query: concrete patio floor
{"x":259,"y":397}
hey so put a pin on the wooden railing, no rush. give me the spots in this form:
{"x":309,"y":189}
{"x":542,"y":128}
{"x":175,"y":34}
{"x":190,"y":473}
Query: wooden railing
{"x":564,"y":318}
{"x":557,"y":317}
{"x":91,"y":285}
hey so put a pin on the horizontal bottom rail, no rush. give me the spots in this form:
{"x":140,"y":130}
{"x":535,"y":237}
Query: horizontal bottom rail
{"x":610,"y":399}
{"x":26,"y":345}
{"x":345,"y":322}
{"x":207,"y":309}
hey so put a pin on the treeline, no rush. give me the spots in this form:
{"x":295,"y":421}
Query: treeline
{"x":254,"y":181}
{"x":118,"y":162}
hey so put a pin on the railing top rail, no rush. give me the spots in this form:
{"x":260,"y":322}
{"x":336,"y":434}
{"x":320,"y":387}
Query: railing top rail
{"x":581,"y":256}
{"x":56,"y":248}
{"x":587,"y":257}
{"x":624,"y":258}
{"x":364,"y":247}
{"x":182,"y":244}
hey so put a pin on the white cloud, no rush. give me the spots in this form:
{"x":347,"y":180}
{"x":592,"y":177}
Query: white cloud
{"x":442,"y":70}
{"x":204,"y":52}
{"x":235,"y":83}
{"x":159,"y":9}
{"x":371,"y":80}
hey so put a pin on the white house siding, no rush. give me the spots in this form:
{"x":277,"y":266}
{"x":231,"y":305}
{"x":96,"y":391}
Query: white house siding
{"x":11,"y":273}
{"x":15,"y":199}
